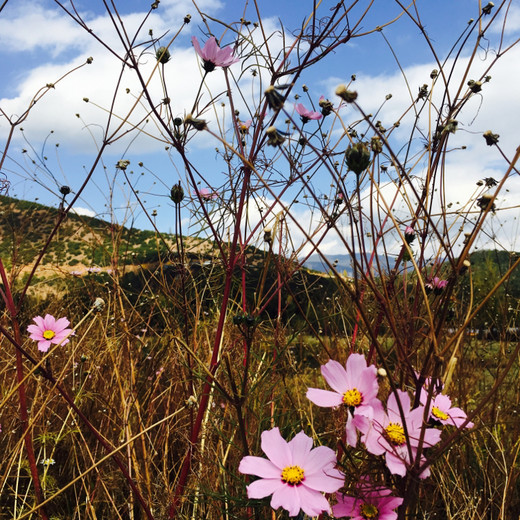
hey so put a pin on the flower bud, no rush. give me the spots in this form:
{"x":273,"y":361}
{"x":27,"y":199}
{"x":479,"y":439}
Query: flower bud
{"x":357,"y":157}
{"x":198,"y":124}
{"x":163,"y":55}
{"x":122,"y":164}
{"x":475,"y":86}
{"x":274,"y":137}
{"x":177,"y":193}
{"x":64,"y":190}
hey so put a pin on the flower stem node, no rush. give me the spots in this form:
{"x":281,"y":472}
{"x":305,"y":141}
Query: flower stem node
{"x":357,"y":157}
{"x":349,"y":96}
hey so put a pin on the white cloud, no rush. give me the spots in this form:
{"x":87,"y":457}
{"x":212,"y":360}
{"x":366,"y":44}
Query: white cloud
{"x":78,"y":210}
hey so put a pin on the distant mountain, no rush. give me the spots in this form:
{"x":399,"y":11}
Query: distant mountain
{"x":342,"y":263}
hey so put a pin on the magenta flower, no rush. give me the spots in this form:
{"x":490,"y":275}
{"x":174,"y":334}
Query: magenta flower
{"x":49,"y":330}
{"x":355,"y":387}
{"x":212,"y":55}
{"x":306,"y":114}
{"x":243,"y":127}
{"x":293,"y":473}
{"x":370,"y":502}
{"x":386,"y":435}
{"x":442,"y":411}
{"x":436,"y":285}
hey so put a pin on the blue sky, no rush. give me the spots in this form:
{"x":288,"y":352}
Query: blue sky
{"x":39,"y":43}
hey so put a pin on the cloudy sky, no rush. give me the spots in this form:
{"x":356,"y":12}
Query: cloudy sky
{"x":40,"y":45}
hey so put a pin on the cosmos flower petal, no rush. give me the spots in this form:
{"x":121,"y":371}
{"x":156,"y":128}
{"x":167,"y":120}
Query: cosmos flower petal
{"x":300,"y":446}
{"x":262,"y":488}
{"x":318,"y":459}
{"x":276,"y":448}
{"x":335,"y":375}
{"x":324,"y":398}
{"x":61,"y":324}
{"x":312,"y":502}
{"x":260,"y":467}
{"x":288,"y":498}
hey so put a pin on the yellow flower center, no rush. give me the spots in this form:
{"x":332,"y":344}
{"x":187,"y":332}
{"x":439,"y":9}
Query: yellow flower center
{"x":395,"y":434}
{"x":293,"y":475}
{"x":352,"y":397}
{"x":369,"y":511}
{"x":439,"y":414}
{"x":49,"y":334}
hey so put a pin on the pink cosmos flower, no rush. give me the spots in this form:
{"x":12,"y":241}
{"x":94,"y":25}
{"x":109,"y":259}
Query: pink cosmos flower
{"x":294,"y":473}
{"x":369,"y":502}
{"x":49,"y":330}
{"x":442,"y":411}
{"x":386,"y":435}
{"x":243,"y":127}
{"x":356,"y":387}
{"x":306,"y":114}
{"x":212,"y":55}
{"x":206,"y":194}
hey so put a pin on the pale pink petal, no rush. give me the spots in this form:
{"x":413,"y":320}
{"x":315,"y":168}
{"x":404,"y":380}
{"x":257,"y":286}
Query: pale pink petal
{"x":61,"y":324}
{"x":210,"y":50}
{"x":324,"y":398}
{"x":302,"y":111}
{"x":335,"y":375}
{"x":457,"y":417}
{"x":49,"y":322}
{"x":300,"y":446}
{"x":276,"y":448}
{"x":288,"y":498}
{"x":351,"y":431}
{"x":317,"y":459}
{"x":395,"y":464}
{"x":196,"y":44}
{"x":43,"y":346}
{"x":312,"y":502}
{"x":263,"y":488}
{"x":356,"y":364}
{"x":329,"y":480}
{"x":39,"y":321}
{"x":260,"y":467}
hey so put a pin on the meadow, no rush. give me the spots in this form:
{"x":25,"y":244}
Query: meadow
{"x":203,"y":371}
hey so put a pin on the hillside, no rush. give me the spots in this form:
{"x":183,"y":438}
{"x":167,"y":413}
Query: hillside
{"x":81,"y":243}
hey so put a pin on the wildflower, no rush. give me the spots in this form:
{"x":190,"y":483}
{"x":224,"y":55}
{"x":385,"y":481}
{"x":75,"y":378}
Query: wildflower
{"x":386,"y":434}
{"x":48,"y":462}
{"x":436,"y":285}
{"x":355,"y":386}
{"x":243,"y":127}
{"x":370,"y":502}
{"x":212,"y":55}
{"x":49,"y":330}
{"x":294,"y":474}
{"x":409,"y":234}
{"x":326,"y":106}
{"x":442,"y":411}
{"x":306,"y":114}
{"x":206,"y":194}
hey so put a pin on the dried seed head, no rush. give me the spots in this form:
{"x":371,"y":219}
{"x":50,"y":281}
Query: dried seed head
{"x":177,"y":193}
{"x":490,"y":138}
{"x":163,"y":55}
{"x":357,"y":157}
{"x":349,"y":96}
